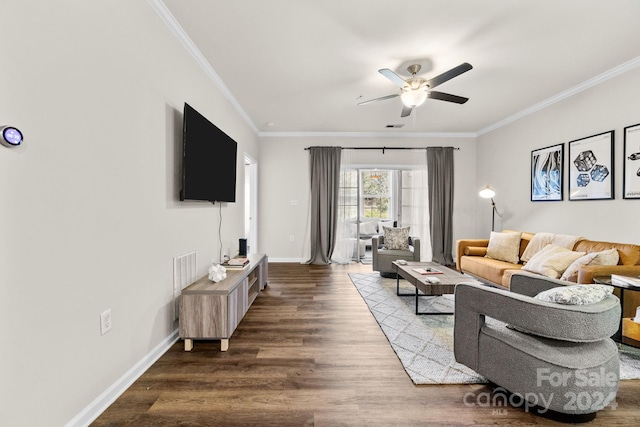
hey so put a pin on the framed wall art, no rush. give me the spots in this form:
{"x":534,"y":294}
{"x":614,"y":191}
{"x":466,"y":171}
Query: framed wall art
{"x":546,"y":173}
{"x":591,"y":167}
{"x":631,"y":163}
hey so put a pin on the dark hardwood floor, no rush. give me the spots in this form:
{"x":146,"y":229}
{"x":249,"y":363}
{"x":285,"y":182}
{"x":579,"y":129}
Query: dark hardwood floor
{"x":309,"y":353}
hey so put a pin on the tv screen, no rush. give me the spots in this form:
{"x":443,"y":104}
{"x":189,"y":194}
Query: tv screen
{"x":208,"y":160}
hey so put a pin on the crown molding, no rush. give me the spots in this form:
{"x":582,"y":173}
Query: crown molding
{"x":166,"y":16}
{"x":368,"y":134}
{"x":159,"y":7}
{"x":601,"y":78}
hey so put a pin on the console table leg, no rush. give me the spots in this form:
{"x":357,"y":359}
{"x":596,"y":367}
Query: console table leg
{"x":188,"y":344}
{"x":224,"y":344}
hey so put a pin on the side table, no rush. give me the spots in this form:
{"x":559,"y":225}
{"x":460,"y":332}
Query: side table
{"x":619,"y":336}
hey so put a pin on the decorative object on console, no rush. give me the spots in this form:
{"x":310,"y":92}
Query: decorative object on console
{"x":591,"y":167}
{"x":546,"y":173}
{"x":488,"y":193}
{"x":242,"y":247}
{"x":217,"y":273}
{"x":631,"y":163}
{"x":238,"y":262}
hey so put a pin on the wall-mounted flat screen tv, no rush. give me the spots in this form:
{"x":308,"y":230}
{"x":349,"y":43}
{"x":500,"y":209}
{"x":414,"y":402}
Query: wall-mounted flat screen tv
{"x":209,"y":158}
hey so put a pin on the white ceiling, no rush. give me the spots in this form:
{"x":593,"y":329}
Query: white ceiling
{"x":303,"y":65}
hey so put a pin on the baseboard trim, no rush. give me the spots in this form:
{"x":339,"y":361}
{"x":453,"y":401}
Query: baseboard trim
{"x":102,"y":402}
{"x":298,"y":260}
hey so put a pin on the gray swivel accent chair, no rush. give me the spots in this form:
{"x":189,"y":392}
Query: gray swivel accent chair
{"x":564,"y":365}
{"x":382,"y":258}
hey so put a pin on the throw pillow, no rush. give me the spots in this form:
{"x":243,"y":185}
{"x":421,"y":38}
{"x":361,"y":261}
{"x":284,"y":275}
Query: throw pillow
{"x":576,"y":294}
{"x":608,"y":257}
{"x":368,"y":228}
{"x":536,"y":244}
{"x":552,"y":261}
{"x":504,"y":246}
{"x":396,"y":238}
{"x":572,"y":270}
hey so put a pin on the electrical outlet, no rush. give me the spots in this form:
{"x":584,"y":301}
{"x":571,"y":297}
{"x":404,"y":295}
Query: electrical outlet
{"x":105,"y":321}
{"x":292,"y":238}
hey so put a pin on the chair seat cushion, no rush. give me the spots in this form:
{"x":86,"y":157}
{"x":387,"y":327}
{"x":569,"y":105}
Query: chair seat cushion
{"x":573,"y":355}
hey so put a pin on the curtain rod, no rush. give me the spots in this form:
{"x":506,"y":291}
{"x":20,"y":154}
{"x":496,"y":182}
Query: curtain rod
{"x":383,"y":148}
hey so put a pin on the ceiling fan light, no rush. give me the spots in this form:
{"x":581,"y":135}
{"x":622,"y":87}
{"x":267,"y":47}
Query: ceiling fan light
{"x":414,"y":98}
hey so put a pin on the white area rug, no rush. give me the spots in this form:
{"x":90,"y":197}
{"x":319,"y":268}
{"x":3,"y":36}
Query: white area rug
{"x":424,"y":344}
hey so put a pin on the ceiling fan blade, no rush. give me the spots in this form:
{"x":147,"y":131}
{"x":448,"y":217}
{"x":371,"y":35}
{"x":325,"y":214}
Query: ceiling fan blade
{"x":447,"y":97}
{"x":448,"y":75}
{"x":395,"y":79}
{"x":406,"y":111}
{"x":379,"y":99}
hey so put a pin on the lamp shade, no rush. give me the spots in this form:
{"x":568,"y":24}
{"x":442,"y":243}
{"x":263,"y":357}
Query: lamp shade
{"x":413,"y":98}
{"x":487,"y":193}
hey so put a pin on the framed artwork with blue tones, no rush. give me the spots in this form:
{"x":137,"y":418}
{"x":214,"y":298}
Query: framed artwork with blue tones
{"x":591,"y":167}
{"x":546,"y":173}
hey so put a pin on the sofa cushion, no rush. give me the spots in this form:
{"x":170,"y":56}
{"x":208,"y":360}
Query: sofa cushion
{"x":608,"y":257}
{"x":504,"y":246}
{"x":486,"y":268}
{"x":552,"y":261}
{"x":576,"y":294}
{"x":396,"y":238}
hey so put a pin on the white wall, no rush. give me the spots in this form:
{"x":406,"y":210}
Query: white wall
{"x":504,"y":162}
{"x":89,"y":212}
{"x":284,"y":177}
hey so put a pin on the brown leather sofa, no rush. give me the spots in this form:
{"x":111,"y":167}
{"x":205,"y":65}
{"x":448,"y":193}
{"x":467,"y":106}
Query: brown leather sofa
{"x":470,"y":258}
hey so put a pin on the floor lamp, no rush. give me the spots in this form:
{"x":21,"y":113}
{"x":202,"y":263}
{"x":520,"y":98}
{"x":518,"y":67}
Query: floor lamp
{"x":488,"y":193}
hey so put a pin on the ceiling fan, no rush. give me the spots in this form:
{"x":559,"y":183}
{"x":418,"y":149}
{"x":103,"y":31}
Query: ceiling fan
{"x":415,"y":90}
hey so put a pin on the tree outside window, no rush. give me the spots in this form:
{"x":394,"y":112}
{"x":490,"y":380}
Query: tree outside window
{"x":376,"y":193}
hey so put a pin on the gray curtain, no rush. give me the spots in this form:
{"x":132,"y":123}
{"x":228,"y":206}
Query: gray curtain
{"x":440,"y":173}
{"x":325,"y":185}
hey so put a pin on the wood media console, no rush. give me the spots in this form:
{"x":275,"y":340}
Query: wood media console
{"x":210,"y":310}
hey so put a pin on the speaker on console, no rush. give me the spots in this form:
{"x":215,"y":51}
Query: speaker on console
{"x":243,"y":247}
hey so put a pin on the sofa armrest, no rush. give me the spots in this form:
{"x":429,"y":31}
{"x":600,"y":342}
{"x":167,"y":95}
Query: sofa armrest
{"x":557,"y":321}
{"x":588,"y":272}
{"x":462,"y":244}
{"x":415,"y":242}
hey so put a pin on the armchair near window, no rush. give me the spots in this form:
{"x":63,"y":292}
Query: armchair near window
{"x":548,"y":353}
{"x":383,"y":257}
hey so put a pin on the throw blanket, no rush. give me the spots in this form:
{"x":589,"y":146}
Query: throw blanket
{"x":540,"y":240}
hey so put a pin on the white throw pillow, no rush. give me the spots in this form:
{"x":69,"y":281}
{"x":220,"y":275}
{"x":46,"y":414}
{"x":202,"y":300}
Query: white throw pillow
{"x":552,"y":261}
{"x":536,"y":244}
{"x":368,"y":228}
{"x":608,"y":257}
{"x":576,"y":294}
{"x":572,"y":270}
{"x":504,"y":246}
